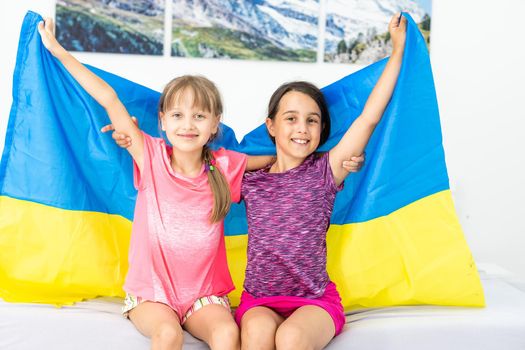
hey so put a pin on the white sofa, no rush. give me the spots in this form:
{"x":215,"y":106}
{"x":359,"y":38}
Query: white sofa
{"x":98,"y":324}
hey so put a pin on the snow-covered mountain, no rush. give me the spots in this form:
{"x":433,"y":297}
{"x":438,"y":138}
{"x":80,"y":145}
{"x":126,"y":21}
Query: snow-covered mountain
{"x":346,"y":19}
{"x":289,"y":24}
{"x":145,"y":7}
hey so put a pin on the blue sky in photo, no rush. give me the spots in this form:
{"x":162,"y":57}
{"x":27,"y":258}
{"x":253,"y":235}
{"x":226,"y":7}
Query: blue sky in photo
{"x":427,"y":5}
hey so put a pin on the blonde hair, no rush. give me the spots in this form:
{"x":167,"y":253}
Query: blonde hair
{"x":205,"y":96}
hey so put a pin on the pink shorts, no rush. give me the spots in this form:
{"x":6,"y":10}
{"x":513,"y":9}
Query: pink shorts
{"x":330,"y":301}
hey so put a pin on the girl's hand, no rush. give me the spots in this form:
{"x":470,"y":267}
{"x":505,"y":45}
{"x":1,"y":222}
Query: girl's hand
{"x":46,"y":29}
{"x":397,"y":29}
{"x":354,"y":164}
{"x":122,"y":140}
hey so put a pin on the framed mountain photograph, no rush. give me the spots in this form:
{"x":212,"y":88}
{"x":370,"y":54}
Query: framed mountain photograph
{"x":133,"y":27}
{"x":356,"y":30}
{"x":281,"y":30}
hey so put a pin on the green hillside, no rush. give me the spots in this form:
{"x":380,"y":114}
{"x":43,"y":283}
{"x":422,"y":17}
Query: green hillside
{"x":220,"y":42}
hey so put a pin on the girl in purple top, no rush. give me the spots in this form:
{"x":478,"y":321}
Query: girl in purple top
{"x":288,"y":300}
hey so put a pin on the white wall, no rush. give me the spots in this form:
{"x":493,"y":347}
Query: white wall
{"x":477,"y":56}
{"x":478,"y":59}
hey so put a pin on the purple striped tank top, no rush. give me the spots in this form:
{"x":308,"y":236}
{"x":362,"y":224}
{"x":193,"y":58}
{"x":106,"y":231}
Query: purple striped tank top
{"x":288,"y":216}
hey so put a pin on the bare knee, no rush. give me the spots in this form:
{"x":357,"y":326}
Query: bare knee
{"x":291,"y":336}
{"x":225,"y":336}
{"x":258,"y":333}
{"x":167,"y":336}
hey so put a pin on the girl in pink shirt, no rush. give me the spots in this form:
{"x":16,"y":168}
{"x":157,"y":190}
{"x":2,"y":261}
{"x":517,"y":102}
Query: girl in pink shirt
{"x":177,"y":257}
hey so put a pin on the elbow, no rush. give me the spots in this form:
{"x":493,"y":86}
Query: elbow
{"x":110,"y":99}
{"x":372,"y":123}
{"x":369,"y":122}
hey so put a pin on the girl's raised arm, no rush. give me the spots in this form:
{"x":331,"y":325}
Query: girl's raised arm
{"x":355,"y":139}
{"x":98,"y":89}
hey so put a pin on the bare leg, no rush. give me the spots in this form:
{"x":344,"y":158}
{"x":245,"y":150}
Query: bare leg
{"x":258,"y":327}
{"x":215,"y":325}
{"x":160,"y":323}
{"x":309,"y":327}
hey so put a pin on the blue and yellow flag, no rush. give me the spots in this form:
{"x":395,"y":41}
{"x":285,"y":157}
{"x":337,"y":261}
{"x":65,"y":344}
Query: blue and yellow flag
{"x":67,"y":195}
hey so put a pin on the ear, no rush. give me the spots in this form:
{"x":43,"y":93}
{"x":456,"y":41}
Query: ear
{"x":215,"y":127}
{"x":161,"y":118}
{"x":270,"y":127}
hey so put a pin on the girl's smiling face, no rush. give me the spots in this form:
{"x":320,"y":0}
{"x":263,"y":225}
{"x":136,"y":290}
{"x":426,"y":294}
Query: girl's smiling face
{"x":188,"y":127}
{"x":296,"y":126}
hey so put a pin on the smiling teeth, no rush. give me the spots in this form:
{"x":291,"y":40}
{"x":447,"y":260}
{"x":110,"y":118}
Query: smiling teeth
{"x":300,"y":141}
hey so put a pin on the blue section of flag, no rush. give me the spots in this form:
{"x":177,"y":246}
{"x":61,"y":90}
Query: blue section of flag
{"x":56,"y":155}
{"x":404,"y":159}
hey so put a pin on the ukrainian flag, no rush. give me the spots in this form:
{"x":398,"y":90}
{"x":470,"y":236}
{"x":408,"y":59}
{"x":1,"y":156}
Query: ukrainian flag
{"x":67,"y":196}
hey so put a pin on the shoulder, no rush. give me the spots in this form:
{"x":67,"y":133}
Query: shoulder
{"x":232,"y":164}
{"x":255,"y":174}
{"x":321,"y":156}
{"x":153,"y":141}
{"x":227,"y":158}
{"x":325,"y":170}
{"x":316,"y":161}
{"x":156,"y":148}
{"x":225,"y":153}
{"x":317,"y":166}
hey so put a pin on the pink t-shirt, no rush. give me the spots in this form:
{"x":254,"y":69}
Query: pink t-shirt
{"x":176,"y":255}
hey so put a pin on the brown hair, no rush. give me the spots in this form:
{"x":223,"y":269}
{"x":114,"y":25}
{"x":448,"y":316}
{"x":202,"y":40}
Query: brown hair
{"x":205,"y":96}
{"x":307,"y":89}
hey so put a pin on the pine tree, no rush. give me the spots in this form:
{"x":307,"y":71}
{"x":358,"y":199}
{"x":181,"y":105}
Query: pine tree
{"x":341,"y":47}
{"x":425,"y":22}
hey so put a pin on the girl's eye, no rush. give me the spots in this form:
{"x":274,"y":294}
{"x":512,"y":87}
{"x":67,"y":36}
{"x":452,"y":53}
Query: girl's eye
{"x":176,"y":115}
{"x":290,"y":118}
{"x":200,"y":116}
{"x":313,"y":121}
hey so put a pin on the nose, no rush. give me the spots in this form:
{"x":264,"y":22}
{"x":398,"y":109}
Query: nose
{"x":187,"y":122}
{"x":302,"y":127}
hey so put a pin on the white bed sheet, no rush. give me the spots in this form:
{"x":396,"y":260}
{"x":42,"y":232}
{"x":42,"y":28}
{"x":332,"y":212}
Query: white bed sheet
{"x":498,"y":326}
{"x":97,"y":324}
